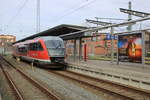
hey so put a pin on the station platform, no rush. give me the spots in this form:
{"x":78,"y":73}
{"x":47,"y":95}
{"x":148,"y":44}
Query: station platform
{"x":132,"y":74}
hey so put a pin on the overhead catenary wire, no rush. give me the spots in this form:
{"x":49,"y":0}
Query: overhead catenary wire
{"x":76,"y":9}
{"x":3,"y":29}
{"x":73,"y":7}
{"x":17,"y":13}
{"x":109,"y":26}
{"x":38,"y":17}
{"x":3,"y":13}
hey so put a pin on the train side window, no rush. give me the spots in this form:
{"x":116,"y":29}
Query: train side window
{"x":22,"y":49}
{"x":39,"y":46}
{"x":31,"y":46}
{"x":35,"y":46}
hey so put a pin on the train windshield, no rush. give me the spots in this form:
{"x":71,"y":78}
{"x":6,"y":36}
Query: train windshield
{"x":55,"y":48}
{"x":54,"y":44}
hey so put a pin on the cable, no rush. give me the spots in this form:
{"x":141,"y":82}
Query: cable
{"x":72,"y":7}
{"x":80,"y":7}
{"x":19,"y":10}
{"x":3,"y":13}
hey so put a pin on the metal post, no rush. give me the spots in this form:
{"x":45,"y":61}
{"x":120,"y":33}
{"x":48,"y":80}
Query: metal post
{"x":149,"y":43}
{"x":65,"y":43}
{"x":80,"y":49}
{"x":143,"y":48}
{"x":112,"y":44}
{"x":117,"y":51}
{"x":74,"y":53}
{"x":32,"y":66}
{"x":129,"y":17}
{"x":85,"y":52}
{"x":38,"y":17}
{"x":4,"y":50}
{"x":97,"y":21}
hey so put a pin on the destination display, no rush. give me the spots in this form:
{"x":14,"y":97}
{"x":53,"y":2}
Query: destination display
{"x":130,"y":47}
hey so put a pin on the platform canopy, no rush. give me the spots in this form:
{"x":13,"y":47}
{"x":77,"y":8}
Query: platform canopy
{"x":57,"y":31}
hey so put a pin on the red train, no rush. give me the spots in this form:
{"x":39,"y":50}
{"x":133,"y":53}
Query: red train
{"x":46,"y":50}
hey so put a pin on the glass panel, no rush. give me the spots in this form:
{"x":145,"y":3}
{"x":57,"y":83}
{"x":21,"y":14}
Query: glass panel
{"x":60,"y":52}
{"x":36,"y":46}
{"x":54,"y":44}
{"x":55,"y":48}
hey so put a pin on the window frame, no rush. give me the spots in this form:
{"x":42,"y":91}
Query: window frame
{"x":36,"y":46}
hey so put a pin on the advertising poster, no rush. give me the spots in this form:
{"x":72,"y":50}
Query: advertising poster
{"x":69,"y":49}
{"x":130,"y":47}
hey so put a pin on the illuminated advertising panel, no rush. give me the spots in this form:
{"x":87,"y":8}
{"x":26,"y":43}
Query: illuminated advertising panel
{"x":130,"y":47}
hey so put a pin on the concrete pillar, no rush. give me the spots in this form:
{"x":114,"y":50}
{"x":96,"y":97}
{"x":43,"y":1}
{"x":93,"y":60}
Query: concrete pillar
{"x":74,"y":51}
{"x":143,"y":48}
{"x":112,"y":44}
{"x":117,"y":54}
{"x":80,"y":49}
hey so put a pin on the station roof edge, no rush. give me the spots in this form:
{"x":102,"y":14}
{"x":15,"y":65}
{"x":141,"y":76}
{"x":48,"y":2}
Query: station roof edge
{"x":55,"y":31}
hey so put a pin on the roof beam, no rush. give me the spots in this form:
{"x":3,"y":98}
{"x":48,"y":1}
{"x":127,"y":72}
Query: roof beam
{"x":98,"y":22}
{"x":135,"y":13}
{"x":109,"y":26}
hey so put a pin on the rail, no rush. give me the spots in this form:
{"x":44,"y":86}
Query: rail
{"x":125,"y":92}
{"x":17,"y":92}
{"x":34,"y":82}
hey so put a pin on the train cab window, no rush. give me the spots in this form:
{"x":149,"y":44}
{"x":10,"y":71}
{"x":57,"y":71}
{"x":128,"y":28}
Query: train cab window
{"x":35,"y":46}
{"x":54,"y":44}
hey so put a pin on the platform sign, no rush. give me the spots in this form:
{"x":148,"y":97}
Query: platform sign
{"x":109,"y":37}
{"x":130,"y":47}
{"x":88,"y":34}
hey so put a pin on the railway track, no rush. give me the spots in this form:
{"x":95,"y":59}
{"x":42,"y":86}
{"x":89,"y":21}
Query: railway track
{"x":13,"y":86}
{"x":48,"y":95}
{"x":108,"y":87}
{"x":125,"y":92}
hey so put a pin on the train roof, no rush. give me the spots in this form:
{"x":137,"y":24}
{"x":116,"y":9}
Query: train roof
{"x":48,"y":38}
{"x":39,"y":38}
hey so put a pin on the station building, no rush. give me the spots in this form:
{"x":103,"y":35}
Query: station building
{"x":6,"y":39}
{"x":5,"y":43}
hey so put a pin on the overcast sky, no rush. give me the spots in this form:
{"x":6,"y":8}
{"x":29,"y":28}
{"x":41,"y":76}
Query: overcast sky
{"x":18,"y":17}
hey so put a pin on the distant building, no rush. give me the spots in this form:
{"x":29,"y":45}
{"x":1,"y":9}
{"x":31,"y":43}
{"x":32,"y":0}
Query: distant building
{"x":6,"y":39}
{"x":5,"y":44}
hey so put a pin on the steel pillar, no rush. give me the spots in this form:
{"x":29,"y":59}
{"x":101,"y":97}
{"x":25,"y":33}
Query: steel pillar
{"x":143,"y":48}
{"x":85,"y":52}
{"x":74,"y":52}
{"x":117,"y":51}
{"x":112,"y":44}
{"x":80,"y":49}
{"x":129,"y":17}
{"x":38,"y":17}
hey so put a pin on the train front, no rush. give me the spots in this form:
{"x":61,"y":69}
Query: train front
{"x":56,"y":50}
